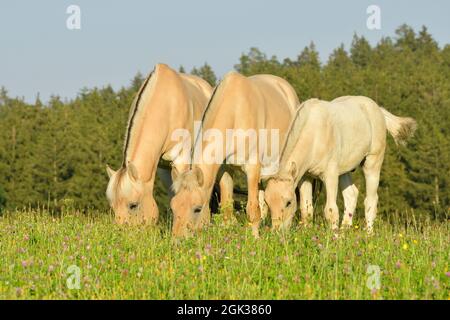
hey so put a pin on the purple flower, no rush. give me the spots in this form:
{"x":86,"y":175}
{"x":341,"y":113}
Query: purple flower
{"x":398,"y":264}
{"x":447,"y":274}
{"x":198,"y":255}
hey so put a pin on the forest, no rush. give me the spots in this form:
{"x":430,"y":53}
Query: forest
{"x":54,"y":154}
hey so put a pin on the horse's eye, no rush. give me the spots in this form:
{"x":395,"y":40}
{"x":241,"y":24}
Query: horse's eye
{"x":288,"y":204}
{"x":197,"y":210}
{"x":133,"y":206}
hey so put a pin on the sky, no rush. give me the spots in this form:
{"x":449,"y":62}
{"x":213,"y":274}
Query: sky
{"x":39,"y":54}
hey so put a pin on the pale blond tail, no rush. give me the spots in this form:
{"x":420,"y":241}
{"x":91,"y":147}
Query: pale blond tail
{"x":400,"y":128}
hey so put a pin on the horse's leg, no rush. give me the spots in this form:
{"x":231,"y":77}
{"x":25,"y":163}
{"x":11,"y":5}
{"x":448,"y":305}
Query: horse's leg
{"x":262,"y":205}
{"x":253,"y":211}
{"x":226,"y":197}
{"x":166,"y":178}
{"x":371,"y":169}
{"x":306,"y":201}
{"x":350,"y":195}
{"x":331,"y":208}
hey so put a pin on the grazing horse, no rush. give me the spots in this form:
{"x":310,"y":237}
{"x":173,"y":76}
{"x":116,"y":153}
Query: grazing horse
{"x":166,"y":101}
{"x":243,"y":105}
{"x":328,"y":140}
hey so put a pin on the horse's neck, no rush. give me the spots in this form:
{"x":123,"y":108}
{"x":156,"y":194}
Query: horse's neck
{"x":147,"y":144}
{"x":209,"y":176}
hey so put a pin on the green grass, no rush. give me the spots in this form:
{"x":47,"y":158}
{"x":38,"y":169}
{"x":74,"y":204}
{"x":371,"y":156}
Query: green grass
{"x":220,"y":263}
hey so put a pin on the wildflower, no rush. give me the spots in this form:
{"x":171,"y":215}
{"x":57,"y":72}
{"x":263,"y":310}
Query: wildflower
{"x":400,"y":235}
{"x":415,"y":241}
{"x":405,"y":246}
{"x":398,"y":264}
{"x":18,"y":292}
{"x":51,"y":268}
{"x":26,"y":237}
{"x":198,"y":255}
{"x":24,"y":263}
{"x":447,"y":274}
{"x":252,"y":253}
{"x":356,"y":226}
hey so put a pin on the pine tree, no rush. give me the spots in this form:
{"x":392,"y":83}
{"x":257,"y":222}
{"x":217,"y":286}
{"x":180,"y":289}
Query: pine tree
{"x":206,"y":73}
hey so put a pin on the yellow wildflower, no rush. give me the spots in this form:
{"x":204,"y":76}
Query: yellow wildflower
{"x":405,"y":246}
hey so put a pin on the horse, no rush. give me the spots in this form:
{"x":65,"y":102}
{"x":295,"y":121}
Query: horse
{"x":328,"y":140}
{"x":167,"y":101}
{"x":243,"y":106}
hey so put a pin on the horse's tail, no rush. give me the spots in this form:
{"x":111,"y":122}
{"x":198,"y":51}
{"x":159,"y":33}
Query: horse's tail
{"x":401,"y":128}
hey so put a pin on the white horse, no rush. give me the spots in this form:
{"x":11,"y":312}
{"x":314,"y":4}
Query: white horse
{"x":328,"y":140}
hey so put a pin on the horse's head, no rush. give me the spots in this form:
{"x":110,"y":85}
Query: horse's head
{"x":130,"y":197}
{"x":281,"y":199}
{"x":190,"y":204}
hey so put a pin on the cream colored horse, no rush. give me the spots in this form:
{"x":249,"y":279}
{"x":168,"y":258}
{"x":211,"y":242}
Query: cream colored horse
{"x":328,"y":140}
{"x":243,"y":104}
{"x":167,"y":101}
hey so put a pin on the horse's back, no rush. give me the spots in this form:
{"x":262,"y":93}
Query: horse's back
{"x":361,"y":126}
{"x":198,"y":91}
{"x":277,"y":89}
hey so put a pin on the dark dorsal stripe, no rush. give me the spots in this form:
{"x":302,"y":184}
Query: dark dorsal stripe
{"x":134,"y":107}
{"x":203,"y":119}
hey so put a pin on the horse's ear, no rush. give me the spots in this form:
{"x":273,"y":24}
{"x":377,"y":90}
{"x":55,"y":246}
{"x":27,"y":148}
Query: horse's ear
{"x":175,"y":173}
{"x":199,"y":175}
{"x":110,"y":171}
{"x":293,"y":170}
{"x":132,"y":172}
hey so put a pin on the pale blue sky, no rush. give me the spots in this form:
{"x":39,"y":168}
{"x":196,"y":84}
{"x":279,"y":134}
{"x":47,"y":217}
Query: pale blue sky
{"x":119,"y":38}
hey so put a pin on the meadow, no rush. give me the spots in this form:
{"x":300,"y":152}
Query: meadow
{"x":407,"y":258}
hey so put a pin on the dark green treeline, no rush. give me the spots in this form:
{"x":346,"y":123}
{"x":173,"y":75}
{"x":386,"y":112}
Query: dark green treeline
{"x":55,"y":154}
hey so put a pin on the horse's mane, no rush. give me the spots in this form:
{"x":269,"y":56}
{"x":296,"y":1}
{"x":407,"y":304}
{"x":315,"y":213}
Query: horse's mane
{"x":292,"y":136}
{"x":186,"y":181}
{"x":133,"y":110}
{"x":115,"y":186}
{"x":211,"y":105}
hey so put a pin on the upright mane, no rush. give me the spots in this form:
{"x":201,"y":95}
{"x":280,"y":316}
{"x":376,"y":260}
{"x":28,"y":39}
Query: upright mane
{"x":293,"y":133}
{"x":205,"y":113}
{"x":133,"y":111}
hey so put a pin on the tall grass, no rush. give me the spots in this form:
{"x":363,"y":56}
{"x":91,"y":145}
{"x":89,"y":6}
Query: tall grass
{"x":221,"y":262}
